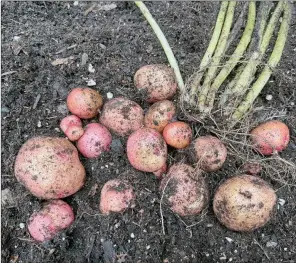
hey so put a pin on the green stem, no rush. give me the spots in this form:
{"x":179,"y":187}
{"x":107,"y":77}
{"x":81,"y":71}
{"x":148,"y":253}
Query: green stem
{"x":268,"y":69}
{"x":217,"y":56}
{"x":164,"y":43}
{"x":234,"y":59}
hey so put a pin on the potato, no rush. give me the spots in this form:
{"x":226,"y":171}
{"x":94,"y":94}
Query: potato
{"x":210,"y":153}
{"x":122,"y":116}
{"x":116,"y":196}
{"x":54,"y":217}
{"x":177,"y":134}
{"x":244,"y":203}
{"x":185,"y":190}
{"x":95,"y":140}
{"x":49,"y":167}
{"x":146,"y":150}
{"x":159,"y":173}
{"x":157,"y":81}
{"x":159,"y":115}
{"x":84,"y":102}
{"x":72,"y":127}
{"x":74,"y":132}
{"x":270,"y":137}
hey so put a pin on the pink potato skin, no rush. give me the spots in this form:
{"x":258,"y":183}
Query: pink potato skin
{"x":122,"y":116}
{"x":74,"y":132}
{"x":185,"y":190}
{"x":55,"y":216}
{"x":210,"y":153}
{"x":271,"y":136}
{"x":146,"y":150}
{"x":68,"y":121}
{"x":157,"y":81}
{"x":84,"y":102}
{"x":49,"y":167}
{"x":159,"y":173}
{"x":177,"y":134}
{"x":116,"y":196}
{"x":95,"y":140}
{"x":159,"y":115}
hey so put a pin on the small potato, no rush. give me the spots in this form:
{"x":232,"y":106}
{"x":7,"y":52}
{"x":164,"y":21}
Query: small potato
{"x":210,"y":153}
{"x":49,"y":167}
{"x":68,"y":121}
{"x":122,"y":116}
{"x":116,"y":196}
{"x":74,"y":132}
{"x":270,"y":137}
{"x":95,"y":140}
{"x":146,"y":150}
{"x":177,"y":134}
{"x":159,"y":173}
{"x":157,"y":81}
{"x":159,"y":115}
{"x":84,"y":102}
{"x":244,"y":203}
{"x":54,"y":217}
{"x":184,"y":190}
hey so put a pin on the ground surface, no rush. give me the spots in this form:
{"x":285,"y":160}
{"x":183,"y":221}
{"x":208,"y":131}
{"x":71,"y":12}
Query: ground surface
{"x":117,"y":42}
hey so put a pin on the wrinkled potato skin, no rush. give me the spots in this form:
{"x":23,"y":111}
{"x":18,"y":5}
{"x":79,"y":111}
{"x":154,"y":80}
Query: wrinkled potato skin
{"x":159,"y":115}
{"x":84,"y":102}
{"x":177,"y":134}
{"x":49,"y":167}
{"x":55,"y":216}
{"x":157,"y":81}
{"x":146,"y":150}
{"x":210,"y":153}
{"x":95,"y":140}
{"x":244,"y":203}
{"x":122,"y":116}
{"x":186,"y":191}
{"x":116,"y":196}
{"x":270,"y":137}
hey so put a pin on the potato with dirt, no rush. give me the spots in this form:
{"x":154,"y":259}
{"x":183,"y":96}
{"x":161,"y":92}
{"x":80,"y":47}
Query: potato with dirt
{"x":122,"y":116}
{"x":157,"y":82}
{"x":210,"y":153}
{"x":159,"y":115}
{"x":55,"y":216}
{"x":84,"y":102}
{"x":270,"y":137}
{"x":244,"y":203}
{"x":184,"y":190}
{"x":95,"y":140}
{"x":116,"y":196}
{"x":146,"y":150}
{"x":49,"y":167}
{"x":71,"y":125}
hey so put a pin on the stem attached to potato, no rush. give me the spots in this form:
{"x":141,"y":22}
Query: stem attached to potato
{"x":268,"y":69}
{"x":164,"y":43}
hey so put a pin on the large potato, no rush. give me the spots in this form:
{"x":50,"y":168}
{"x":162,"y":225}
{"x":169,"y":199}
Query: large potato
{"x":146,"y":150}
{"x":157,"y":81}
{"x":122,"y":116}
{"x":159,"y":115}
{"x":244,"y":203}
{"x":185,"y":190}
{"x":49,"y":167}
{"x":55,"y":216}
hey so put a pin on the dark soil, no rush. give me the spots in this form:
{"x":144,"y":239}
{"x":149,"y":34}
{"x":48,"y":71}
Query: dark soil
{"x":118,"y":42}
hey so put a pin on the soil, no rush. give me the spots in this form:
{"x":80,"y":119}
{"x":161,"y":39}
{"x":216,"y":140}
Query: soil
{"x":116,"y":40}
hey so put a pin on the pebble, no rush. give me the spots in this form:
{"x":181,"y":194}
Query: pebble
{"x":16,"y":38}
{"x":22,"y":225}
{"x":285,"y":249}
{"x":39,"y":124}
{"x":57,"y":129}
{"x":132,"y":235}
{"x":90,"y":82}
{"x":84,"y":59}
{"x":209,"y":225}
{"x":91,"y":69}
{"x":292,"y":103}
{"x":229,"y":239}
{"x":109,"y":95}
{"x":76,"y":3}
{"x":281,"y":201}
{"x":147,"y":247}
{"x":268,"y":97}
{"x":4,"y":110}
{"x":271,"y":244}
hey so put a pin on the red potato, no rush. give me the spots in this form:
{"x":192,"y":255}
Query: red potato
{"x":244,"y":203}
{"x":270,"y":137}
{"x":54,"y":217}
{"x":95,"y":140}
{"x":74,"y":132}
{"x":84,"y":102}
{"x":159,"y":115}
{"x":177,"y":134}
{"x":49,"y":167}
{"x":146,"y":150}
{"x":116,"y":196}
{"x":184,"y":190}
{"x":210,"y":153}
{"x":122,"y":116}
{"x":72,"y":127}
{"x":159,"y":173}
{"x":157,"y":81}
